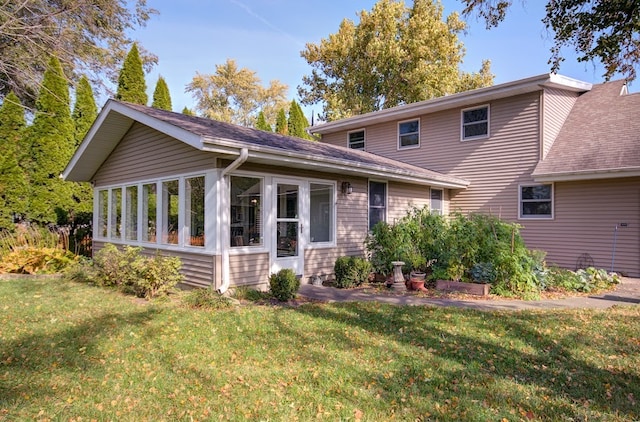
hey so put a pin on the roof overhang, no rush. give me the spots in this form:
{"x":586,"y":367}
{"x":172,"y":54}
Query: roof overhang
{"x":615,"y":173}
{"x":458,"y":100}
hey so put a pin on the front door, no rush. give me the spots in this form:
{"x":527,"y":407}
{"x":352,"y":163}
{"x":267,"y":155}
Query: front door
{"x":288,"y":240}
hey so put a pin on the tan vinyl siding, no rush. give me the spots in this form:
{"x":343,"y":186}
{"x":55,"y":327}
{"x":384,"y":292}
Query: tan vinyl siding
{"x":403,"y":197}
{"x":249,"y":269}
{"x":556,"y":107}
{"x":586,"y":214}
{"x":145,"y":153}
{"x":198,"y":269}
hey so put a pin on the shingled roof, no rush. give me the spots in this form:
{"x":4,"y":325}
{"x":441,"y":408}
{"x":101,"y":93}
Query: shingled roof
{"x":264,"y":147}
{"x":600,"y":138}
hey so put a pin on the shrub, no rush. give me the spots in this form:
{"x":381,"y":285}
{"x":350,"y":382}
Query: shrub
{"x":584,"y":280}
{"x":116,"y":267}
{"x":82,"y":271}
{"x":206,"y":299}
{"x":246,"y":293}
{"x":34,"y":250}
{"x":351,"y":271}
{"x":133,"y":273}
{"x":156,"y":276}
{"x":284,"y":284}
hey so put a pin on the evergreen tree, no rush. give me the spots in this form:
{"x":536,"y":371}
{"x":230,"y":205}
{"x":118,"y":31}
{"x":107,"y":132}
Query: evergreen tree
{"x":131,"y":84}
{"x":186,"y":110}
{"x":51,"y":140}
{"x":297,"y":122}
{"x":84,"y":113}
{"x":161,"y":96}
{"x":13,"y":184}
{"x":261,"y":123}
{"x":281,"y":122}
{"x":85,"y":110}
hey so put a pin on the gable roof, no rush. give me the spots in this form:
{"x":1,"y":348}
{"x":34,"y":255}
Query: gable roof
{"x":599,"y":139}
{"x":458,"y":100}
{"x":228,"y":140}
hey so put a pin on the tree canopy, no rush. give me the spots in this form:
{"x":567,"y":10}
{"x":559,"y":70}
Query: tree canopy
{"x":235,"y":95}
{"x":604,"y":30}
{"x":88,"y":36}
{"x":394,"y":55}
{"x":131,"y":84}
{"x":161,"y":95}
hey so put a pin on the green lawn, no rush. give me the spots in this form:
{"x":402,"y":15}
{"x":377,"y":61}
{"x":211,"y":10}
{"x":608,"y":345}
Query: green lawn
{"x":76,"y":352}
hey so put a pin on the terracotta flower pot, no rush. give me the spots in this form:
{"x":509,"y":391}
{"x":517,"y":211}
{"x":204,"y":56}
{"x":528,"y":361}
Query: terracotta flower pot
{"x":417,"y":281}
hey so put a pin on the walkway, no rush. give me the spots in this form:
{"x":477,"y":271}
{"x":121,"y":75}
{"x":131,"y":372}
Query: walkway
{"x":626,"y":293}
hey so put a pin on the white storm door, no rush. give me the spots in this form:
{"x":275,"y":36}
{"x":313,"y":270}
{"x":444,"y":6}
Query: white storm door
{"x":288,"y":239}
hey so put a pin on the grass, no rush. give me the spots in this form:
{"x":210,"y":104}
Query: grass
{"x":71,"y":351}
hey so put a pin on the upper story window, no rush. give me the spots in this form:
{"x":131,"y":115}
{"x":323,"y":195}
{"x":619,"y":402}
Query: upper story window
{"x":536,"y":201}
{"x":409,"y":134}
{"x":356,"y":139}
{"x":377,"y":203}
{"x":475,"y":123}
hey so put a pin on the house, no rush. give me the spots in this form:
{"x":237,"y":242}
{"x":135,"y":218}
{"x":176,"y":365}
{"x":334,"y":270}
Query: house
{"x":558,"y":156}
{"x":237,"y":204}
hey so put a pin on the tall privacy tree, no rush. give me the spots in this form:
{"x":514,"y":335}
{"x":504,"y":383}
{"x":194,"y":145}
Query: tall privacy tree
{"x":13,"y":185}
{"x":281,"y":122}
{"x":84,"y":113}
{"x":131,"y":85}
{"x":606,"y":30}
{"x":394,"y":55}
{"x":88,"y":36}
{"x":261,"y":123}
{"x":51,"y":139}
{"x":235,"y":95}
{"x":161,"y":95}
{"x":297,"y":123}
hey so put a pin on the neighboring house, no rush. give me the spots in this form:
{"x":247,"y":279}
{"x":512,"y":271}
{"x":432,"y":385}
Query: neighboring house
{"x":556,"y":155}
{"x":237,"y":204}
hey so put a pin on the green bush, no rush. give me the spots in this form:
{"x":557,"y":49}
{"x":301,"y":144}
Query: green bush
{"x":584,"y":280}
{"x":206,"y":299}
{"x":246,"y":293}
{"x":284,"y":284}
{"x":351,"y":271}
{"x":136,"y":274}
{"x":157,"y":275}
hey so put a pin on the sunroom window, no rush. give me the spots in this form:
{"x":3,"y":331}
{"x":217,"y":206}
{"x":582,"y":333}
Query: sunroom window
{"x":246,"y":218}
{"x":194,"y":188}
{"x":131,"y":213}
{"x":149,"y":212}
{"x":170,"y":204}
{"x":321,"y":213}
{"x":116,"y":213}
{"x":103,"y":213}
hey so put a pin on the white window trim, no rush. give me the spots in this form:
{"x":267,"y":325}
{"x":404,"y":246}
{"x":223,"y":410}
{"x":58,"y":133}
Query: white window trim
{"x":536,"y":217}
{"x":386,"y":200}
{"x":473,"y":138}
{"x":334,"y":220}
{"x":182,"y":244}
{"x":364,"y":132}
{"x":399,"y":146}
{"x":265,"y":181}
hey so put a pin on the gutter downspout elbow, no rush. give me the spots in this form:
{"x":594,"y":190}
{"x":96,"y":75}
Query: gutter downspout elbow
{"x":244,"y":154}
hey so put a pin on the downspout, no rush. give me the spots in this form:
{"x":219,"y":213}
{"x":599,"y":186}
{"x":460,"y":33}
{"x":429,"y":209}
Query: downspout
{"x":244,"y":154}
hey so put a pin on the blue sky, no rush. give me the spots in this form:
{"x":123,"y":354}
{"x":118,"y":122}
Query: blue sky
{"x":266,"y":36}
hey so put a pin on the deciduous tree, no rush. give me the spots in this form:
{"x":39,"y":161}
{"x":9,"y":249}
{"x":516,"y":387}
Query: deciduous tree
{"x":88,"y":36}
{"x":131,"y":84}
{"x":606,"y":30}
{"x":161,"y":95}
{"x":235,"y":95}
{"x":394,"y":55}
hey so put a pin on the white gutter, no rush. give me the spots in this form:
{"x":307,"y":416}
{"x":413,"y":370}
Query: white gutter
{"x":223,"y":228}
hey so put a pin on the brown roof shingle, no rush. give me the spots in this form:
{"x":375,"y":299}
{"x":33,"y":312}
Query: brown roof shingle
{"x":601,"y":135}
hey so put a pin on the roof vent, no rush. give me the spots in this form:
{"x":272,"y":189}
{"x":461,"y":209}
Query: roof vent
{"x":624,"y":90}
